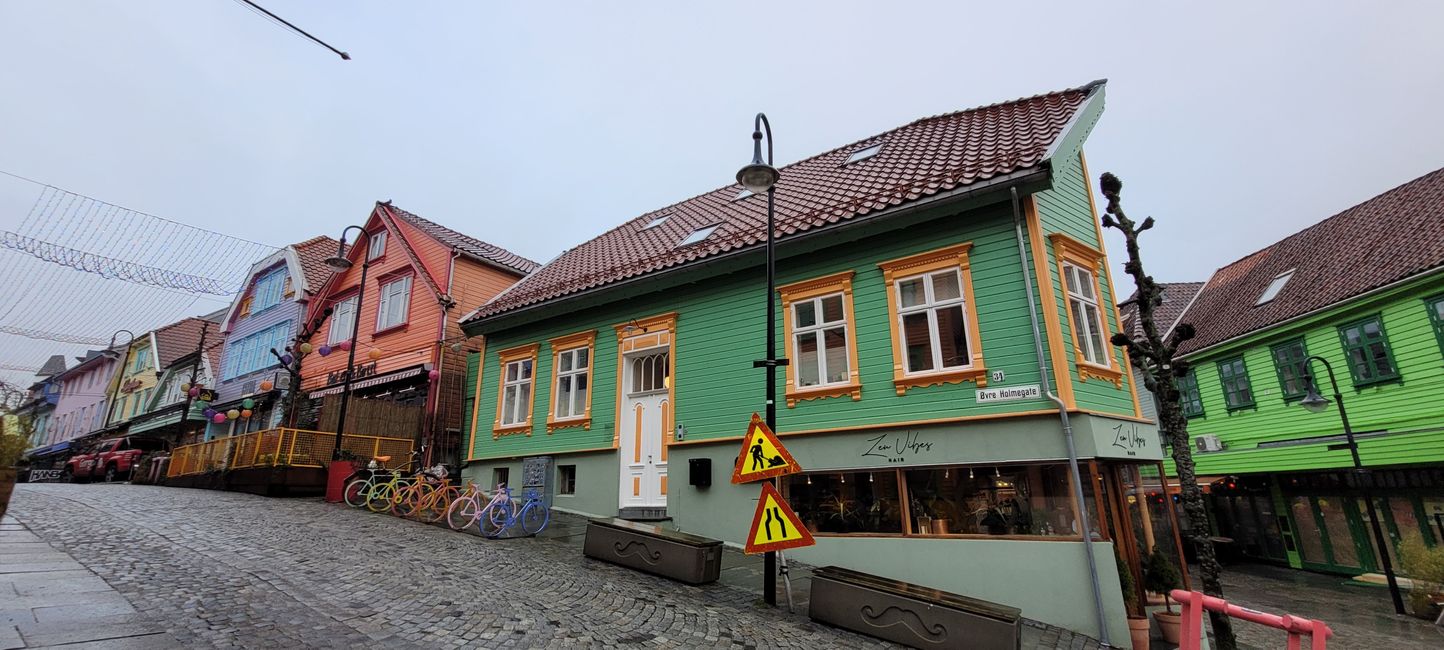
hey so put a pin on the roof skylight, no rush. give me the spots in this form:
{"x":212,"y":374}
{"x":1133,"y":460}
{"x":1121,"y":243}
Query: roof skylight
{"x":656,"y":222}
{"x":1277,"y":285}
{"x":697,"y":235}
{"x":863,"y":154}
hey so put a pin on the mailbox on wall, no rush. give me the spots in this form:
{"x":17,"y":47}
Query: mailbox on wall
{"x":699,"y":472}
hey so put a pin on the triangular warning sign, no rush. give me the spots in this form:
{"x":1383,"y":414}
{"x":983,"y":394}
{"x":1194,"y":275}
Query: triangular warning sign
{"x":762,"y":455}
{"x":775,"y":527}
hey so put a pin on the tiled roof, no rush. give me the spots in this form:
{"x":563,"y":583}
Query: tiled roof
{"x":313,"y":253}
{"x":1390,"y":237}
{"x":1176,"y":296}
{"x":928,"y":156}
{"x":467,"y":244}
{"x":181,"y":338}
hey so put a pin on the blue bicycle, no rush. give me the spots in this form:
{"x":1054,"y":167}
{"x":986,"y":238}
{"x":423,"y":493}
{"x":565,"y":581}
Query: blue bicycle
{"x":503,"y":512}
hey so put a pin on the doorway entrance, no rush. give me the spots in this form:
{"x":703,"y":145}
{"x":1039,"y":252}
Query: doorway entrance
{"x":645,"y":420}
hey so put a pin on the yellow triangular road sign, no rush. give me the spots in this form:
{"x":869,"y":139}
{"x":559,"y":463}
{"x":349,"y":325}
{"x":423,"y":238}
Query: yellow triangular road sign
{"x":775,"y":526}
{"x":762,"y":455}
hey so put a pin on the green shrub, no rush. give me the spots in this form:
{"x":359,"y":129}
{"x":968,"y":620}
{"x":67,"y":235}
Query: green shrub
{"x":1425,"y":567}
{"x":1160,"y":576}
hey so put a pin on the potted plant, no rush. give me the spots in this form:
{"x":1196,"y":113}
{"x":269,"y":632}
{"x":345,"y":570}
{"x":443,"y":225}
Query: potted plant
{"x":1161,"y":577}
{"x":14,"y":439}
{"x":1137,"y":624}
{"x":1425,"y":567}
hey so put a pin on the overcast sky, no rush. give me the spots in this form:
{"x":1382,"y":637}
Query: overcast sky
{"x":538,"y":125}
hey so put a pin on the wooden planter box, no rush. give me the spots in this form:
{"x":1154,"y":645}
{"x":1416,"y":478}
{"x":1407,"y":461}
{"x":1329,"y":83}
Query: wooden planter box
{"x":652,"y":549}
{"x":905,"y":613}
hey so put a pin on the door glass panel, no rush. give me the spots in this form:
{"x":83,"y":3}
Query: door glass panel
{"x":1336,"y":525}
{"x":1269,"y":527}
{"x":1310,"y":538}
{"x":1405,"y":520}
{"x":1246,"y":527}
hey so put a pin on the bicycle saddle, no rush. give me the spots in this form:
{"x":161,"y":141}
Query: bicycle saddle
{"x":383,"y":458}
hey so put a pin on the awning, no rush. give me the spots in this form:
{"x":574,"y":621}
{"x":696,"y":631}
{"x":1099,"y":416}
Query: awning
{"x":164,"y":419}
{"x":371,"y":381}
{"x":47,"y":451}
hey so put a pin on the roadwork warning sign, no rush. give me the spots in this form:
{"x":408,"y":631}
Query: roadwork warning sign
{"x":775,"y":527}
{"x":762,"y":455}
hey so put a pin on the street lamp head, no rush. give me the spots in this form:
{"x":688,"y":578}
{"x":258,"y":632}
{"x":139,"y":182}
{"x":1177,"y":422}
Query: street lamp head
{"x":338,"y":264}
{"x":1312,"y":400}
{"x":758,"y":176}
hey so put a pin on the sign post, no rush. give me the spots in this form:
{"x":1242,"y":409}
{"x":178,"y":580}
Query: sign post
{"x":775,"y":526}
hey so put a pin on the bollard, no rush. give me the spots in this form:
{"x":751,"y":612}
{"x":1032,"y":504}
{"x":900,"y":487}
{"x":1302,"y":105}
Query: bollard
{"x":1194,"y":603}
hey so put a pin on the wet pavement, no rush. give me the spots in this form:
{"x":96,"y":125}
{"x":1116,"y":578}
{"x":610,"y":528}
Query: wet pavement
{"x":1361,"y":616}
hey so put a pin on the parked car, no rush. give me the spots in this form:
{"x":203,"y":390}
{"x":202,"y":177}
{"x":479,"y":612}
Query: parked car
{"x":109,"y":460}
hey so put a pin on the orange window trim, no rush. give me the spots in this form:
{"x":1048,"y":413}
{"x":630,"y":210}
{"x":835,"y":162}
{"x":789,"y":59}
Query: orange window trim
{"x":1067,"y":250}
{"x":1103,"y":247}
{"x":588,"y":340}
{"x":815,"y":288}
{"x":652,"y":331}
{"x":950,"y":257}
{"x":1049,"y":298}
{"x":518,"y":353}
{"x":476,"y":399}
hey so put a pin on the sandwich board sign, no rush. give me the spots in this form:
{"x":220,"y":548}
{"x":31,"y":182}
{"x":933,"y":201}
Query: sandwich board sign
{"x":775,"y":527}
{"x":762,"y":455}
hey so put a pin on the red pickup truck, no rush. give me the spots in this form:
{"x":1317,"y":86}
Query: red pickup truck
{"x":109,"y":460}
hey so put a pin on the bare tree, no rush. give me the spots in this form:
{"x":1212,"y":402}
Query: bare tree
{"x":1154,"y":358}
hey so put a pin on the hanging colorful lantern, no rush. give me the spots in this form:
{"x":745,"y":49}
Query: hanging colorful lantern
{"x":434,"y":375}
{"x":233,"y":414}
{"x":186,"y":387}
{"x":286,"y":359}
{"x":305,"y":348}
{"x":209,"y":412}
{"x":343,"y":346}
{"x":218,"y":418}
{"x":374,"y":354}
{"x":323,"y":350}
{"x":246,"y":413}
{"x":266,"y":385}
{"x":248,"y":403}
{"x":194,"y":391}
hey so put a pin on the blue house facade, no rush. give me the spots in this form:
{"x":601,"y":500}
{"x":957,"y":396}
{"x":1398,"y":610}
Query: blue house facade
{"x":263,"y":322}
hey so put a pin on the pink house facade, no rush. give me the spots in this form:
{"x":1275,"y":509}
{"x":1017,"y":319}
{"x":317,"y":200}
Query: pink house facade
{"x":81,"y":409}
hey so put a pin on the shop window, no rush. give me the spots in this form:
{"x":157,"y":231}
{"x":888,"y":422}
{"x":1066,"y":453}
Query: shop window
{"x":1003,"y":500}
{"x":818,"y":327}
{"x":1188,"y":396}
{"x":933,"y":318}
{"x":1367,"y":349}
{"x":571,"y":383}
{"x":1290,"y":361}
{"x":566,"y":479}
{"x":1436,"y":318}
{"x":395,"y":303}
{"x":849,"y":502}
{"x":343,"y":320}
{"x":514,"y":401}
{"x":1233,"y":374}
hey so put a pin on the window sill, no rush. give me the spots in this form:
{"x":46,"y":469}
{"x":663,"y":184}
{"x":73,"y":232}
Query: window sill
{"x":978,"y":375}
{"x":1242,"y":407}
{"x":822,"y":392}
{"x":511,"y":430}
{"x":569,"y":423}
{"x":1360,"y":385}
{"x":394,"y":328}
{"x":1089,"y":370}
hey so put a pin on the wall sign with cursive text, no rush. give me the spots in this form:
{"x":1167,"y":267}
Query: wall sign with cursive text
{"x":1127,"y":437}
{"x":897,"y":447}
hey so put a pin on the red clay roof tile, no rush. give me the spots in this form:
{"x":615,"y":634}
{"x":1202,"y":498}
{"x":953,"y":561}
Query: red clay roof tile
{"x":467,"y":244}
{"x":313,"y":253}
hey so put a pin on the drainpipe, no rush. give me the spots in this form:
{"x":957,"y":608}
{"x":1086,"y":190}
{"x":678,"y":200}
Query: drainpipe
{"x":1084,"y":525}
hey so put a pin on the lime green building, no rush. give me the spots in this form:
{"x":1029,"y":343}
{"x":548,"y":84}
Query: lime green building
{"x":1363,"y":290}
{"x":937,"y":282}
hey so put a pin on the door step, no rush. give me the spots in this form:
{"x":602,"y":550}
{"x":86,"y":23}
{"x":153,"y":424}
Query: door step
{"x":643,"y":514}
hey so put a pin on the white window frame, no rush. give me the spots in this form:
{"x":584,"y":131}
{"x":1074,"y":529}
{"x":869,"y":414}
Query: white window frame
{"x":1076,"y":276}
{"x":390,"y":293}
{"x":376,"y":245}
{"x":341,"y":327}
{"x":576,"y":411}
{"x":521,"y":415}
{"x":931,"y":307}
{"x":818,"y":328}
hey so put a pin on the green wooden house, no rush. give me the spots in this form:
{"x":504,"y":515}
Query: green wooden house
{"x":914,"y":398}
{"x":1364,"y":290}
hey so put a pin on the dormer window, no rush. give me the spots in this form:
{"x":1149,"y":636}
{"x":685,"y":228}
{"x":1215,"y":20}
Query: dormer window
{"x":1277,"y":285}
{"x":698,"y":235}
{"x":377,"y":247}
{"x":863,"y":154}
{"x":656,"y":222}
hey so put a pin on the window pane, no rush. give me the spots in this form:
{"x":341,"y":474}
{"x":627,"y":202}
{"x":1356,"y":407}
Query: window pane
{"x":1096,"y":352}
{"x":831,"y":309}
{"x":564,"y":397}
{"x":917,"y":338}
{"x":1085,"y":284}
{"x":1358,"y":358}
{"x":807,"y":373}
{"x":854,"y":502}
{"x":526,"y":369}
{"x":1019,"y":500}
{"x":806,"y":313}
{"x":945,"y":286}
{"x":579,"y":406}
{"x":1351,"y":336}
{"x":1380,"y":356}
{"x":564,"y":361}
{"x":835,"y":342}
{"x":910,"y":292}
{"x":511,"y":370}
{"x":582,"y":359}
{"x":523,"y":398}
{"x":508,"y":405}
{"x":952,"y":337}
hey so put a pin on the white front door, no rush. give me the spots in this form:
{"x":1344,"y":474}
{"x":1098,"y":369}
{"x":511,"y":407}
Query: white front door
{"x":646,"y":412}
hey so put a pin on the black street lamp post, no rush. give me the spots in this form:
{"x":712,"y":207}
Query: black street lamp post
{"x":1317,"y":403}
{"x":109,"y":351}
{"x":340,"y":264}
{"x":759,"y":177}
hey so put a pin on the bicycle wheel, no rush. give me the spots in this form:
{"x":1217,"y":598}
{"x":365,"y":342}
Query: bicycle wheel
{"x":379,"y":499}
{"x":355,"y":494}
{"x":492,"y":521}
{"x":403,"y":504}
{"x":434,"y":507}
{"x":534,"y":517}
{"x":462,"y":512}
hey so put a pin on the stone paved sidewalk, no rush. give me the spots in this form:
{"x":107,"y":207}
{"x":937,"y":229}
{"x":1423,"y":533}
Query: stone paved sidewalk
{"x":47,"y":599}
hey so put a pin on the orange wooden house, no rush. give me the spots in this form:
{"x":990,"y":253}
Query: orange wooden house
{"x":410,"y":364}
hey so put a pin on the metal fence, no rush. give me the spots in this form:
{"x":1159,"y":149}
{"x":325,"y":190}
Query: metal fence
{"x":282,"y":447}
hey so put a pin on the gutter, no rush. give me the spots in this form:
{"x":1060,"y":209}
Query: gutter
{"x":1308,"y":314}
{"x":1040,"y":173}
